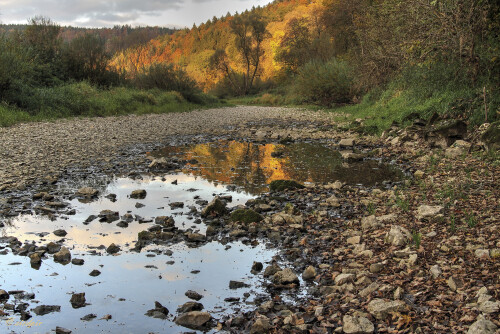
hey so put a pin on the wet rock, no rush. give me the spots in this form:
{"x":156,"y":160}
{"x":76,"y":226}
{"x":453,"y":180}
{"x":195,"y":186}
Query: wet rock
{"x":4,"y":295}
{"x":357,"y":325}
{"x":260,"y":326}
{"x":482,"y":326}
{"x":108,"y":216}
{"x":166,"y":221}
{"x":237,"y":285}
{"x":113,"y":249}
{"x":282,"y":185}
{"x":429,"y":212}
{"x":122,"y":224}
{"x":87,"y":192}
{"x":62,"y":330}
{"x":88,"y":317}
{"x":35,"y":259}
{"x":271,"y":270}
{"x":139,"y":205}
{"x":176,"y":205}
{"x":78,"y":300}
{"x":53,"y":248}
{"x":194,"y":320}
{"x":95,"y":273}
{"x":286,"y":276}
{"x":138,"y":194}
{"x":89,"y":219}
{"x":397,"y":236}
{"x":257,"y":267}
{"x":159,"y":312}
{"x":381,"y":309}
{"x":196,"y":237}
{"x":246,"y":216}
{"x":193,"y":295}
{"x":309,"y":273}
{"x":78,"y":262}
{"x":46,"y":309}
{"x":190,"y":306}
{"x":63,"y":256}
{"x":238,"y":233}
{"x":60,"y":233}
{"x":215,"y":208}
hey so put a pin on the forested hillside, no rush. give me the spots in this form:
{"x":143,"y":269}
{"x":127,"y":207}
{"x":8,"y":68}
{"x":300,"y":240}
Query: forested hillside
{"x":441,"y":53}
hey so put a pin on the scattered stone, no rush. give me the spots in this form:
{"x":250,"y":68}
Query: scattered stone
{"x":260,"y":326}
{"x":190,"y":306}
{"x":88,"y":317}
{"x":397,"y":236}
{"x":246,"y":216}
{"x":436,"y":271}
{"x":63,"y":256}
{"x":159,"y":312}
{"x":344,"y":278}
{"x":46,"y":309}
{"x":194,"y":320}
{"x":78,"y":300}
{"x":193,"y":295}
{"x":286,"y":276}
{"x":429,"y":212}
{"x":237,"y":285}
{"x":215,"y":208}
{"x":196,"y":237}
{"x":35,"y":259}
{"x":108,"y":216}
{"x":482,"y":253}
{"x":257,"y":267}
{"x":138,"y":194}
{"x":381,"y":309}
{"x":61,"y":330}
{"x":369,"y":222}
{"x":347,"y":142}
{"x":482,"y":326}
{"x":113,"y":249}
{"x":282,"y":185}
{"x":354,"y":240}
{"x":176,"y":205}
{"x":376,"y":267}
{"x":309,"y":273}
{"x":87,"y":192}
{"x":95,"y":273}
{"x":60,"y":233}
{"x":4,"y":295}
{"x":357,"y":325}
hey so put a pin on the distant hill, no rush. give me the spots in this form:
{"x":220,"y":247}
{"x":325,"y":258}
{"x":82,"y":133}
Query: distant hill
{"x":117,"y":39}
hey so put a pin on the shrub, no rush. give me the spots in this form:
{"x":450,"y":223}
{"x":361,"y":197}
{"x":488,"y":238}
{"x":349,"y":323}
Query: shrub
{"x":324,"y":83}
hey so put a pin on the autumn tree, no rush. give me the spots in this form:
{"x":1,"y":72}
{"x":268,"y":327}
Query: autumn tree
{"x":250,"y":31}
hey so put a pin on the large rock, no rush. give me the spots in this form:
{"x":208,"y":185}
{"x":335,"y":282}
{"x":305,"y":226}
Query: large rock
{"x":285,"y":276}
{"x":482,"y":326}
{"x":63,"y":256}
{"x":215,"y":208}
{"x":246,"y":216}
{"x":282,"y":185}
{"x":190,"y":306}
{"x":357,"y":325}
{"x":429,"y":212}
{"x":194,"y":319}
{"x":381,"y":309}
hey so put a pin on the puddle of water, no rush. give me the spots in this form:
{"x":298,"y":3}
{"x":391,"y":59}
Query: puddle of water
{"x":252,"y":166}
{"x":126,"y":288}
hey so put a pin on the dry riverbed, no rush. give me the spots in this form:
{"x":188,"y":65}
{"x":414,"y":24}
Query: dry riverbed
{"x":414,"y":254}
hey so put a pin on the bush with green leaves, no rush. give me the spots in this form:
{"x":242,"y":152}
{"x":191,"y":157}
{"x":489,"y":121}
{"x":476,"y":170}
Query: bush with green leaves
{"x":325,"y":84}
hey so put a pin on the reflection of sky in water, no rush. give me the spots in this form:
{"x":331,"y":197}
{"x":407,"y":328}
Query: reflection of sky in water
{"x":159,"y":195}
{"x":125,"y":276}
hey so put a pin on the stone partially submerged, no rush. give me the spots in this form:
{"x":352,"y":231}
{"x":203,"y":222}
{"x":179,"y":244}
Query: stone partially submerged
{"x":194,"y":320}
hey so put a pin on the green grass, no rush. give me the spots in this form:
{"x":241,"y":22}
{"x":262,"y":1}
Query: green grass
{"x":84,"y":100}
{"x":417,"y":238}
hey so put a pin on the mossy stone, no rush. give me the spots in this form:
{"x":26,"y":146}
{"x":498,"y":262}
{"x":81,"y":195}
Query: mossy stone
{"x":281,"y":185}
{"x":245,"y":216}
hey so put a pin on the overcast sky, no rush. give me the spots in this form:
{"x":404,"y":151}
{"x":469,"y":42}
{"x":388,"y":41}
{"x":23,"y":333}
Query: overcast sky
{"x":107,"y":13}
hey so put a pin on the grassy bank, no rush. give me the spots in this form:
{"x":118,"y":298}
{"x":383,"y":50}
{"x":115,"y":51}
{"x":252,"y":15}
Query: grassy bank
{"x":84,"y":100}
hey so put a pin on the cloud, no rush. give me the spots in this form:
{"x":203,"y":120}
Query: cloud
{"x":67,"y":11}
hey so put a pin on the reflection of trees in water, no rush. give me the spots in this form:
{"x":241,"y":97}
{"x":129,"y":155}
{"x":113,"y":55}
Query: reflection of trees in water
{"x":252,"y":166}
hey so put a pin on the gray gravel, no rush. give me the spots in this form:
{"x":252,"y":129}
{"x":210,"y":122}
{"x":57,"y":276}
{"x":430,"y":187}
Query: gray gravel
{"x":29,"y":152}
